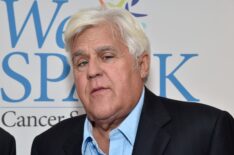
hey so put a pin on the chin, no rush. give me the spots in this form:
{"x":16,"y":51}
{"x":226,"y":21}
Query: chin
{"x":102,"y":117}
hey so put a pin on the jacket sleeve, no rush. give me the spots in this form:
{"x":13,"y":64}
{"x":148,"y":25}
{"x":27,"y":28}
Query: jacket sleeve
{"x":222,"y":141}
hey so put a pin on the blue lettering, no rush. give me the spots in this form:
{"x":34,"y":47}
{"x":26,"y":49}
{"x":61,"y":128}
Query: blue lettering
{"x":171,"y":76}
{"x":71,"y":95}
{"x":21,"y":79}
{"x":44,"y":76}
{"x":59,"y":34}
{"x":34,"y":11}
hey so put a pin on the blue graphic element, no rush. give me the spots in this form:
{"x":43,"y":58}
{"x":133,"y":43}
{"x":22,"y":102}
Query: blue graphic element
{"x":134,"y":2}
{"x":71,"y":95}
{"x":16,"y":76}
{"x":45,"y":80}
{"x":34,"y":12}
{"x":59,"y":34}
{"x":171,"y":76}
{"x":124,"y":4}
{"x":44,"y":74}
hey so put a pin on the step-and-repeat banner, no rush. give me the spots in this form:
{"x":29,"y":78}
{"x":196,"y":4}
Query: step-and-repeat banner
{"x":192,"y":44}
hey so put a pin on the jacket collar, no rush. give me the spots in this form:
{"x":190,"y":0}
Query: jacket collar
{"x":151,"y":137}
{"x":72,"y":146}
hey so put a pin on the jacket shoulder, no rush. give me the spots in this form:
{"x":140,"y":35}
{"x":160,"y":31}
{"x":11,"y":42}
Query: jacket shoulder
{"x":185,"y":113}
{"x":176,"y":108}
{"x":190,"y":109}
{"x":53,"y":139}
{"x":5,"y":135}
{"x":186,"y":116}
{"x":65,"y":127}
{"x":198,"y":124}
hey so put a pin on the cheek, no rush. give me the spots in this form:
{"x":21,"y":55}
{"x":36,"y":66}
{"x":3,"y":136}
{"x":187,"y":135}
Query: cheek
{"x":80,"y":83}
{"x":127,"y":80}
{"x":120,"y":78}
{"x":126,"y":73}
{"x":117,"y":75}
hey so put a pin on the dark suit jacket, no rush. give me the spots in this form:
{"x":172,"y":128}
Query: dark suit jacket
{"x":7,"y":143}
{"x":166,"y":127}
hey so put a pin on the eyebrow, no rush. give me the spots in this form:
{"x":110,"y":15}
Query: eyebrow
{"x":101,"y":49}
{"x":105,"y":48}
{"x":77,"y":54}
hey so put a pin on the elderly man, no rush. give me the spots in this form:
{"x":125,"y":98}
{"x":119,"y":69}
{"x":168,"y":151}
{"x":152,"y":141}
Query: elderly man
{"x":111,"y":59}
{"x":7,"y":143}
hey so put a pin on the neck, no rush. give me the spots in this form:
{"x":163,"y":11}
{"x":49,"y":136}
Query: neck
{"x":101,"y":131}
{"x":102,"y":138}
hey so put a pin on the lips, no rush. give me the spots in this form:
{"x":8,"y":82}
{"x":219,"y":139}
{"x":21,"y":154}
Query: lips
{"x":98,"y":90}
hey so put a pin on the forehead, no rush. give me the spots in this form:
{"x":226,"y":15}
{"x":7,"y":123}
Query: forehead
{"x":101,"y":33}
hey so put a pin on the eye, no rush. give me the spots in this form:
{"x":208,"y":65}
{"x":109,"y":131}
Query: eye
{"x":82,"y":63}
{"x":107,"y":56}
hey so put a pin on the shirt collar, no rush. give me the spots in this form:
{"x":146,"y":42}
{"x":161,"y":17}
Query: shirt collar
{"x":87,"y":135}
{"x":130,"y":124}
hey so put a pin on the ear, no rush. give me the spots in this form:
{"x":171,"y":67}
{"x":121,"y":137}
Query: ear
{"x":144,"y":64}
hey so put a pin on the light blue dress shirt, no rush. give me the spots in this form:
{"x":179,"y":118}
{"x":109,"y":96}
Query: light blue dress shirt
{"x":121,"y":138}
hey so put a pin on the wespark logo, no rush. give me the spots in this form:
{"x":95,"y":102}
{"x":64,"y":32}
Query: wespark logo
{"x":41,"y":92}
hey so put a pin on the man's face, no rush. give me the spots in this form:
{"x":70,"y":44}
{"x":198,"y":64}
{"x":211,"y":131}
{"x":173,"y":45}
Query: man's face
{"x":108,"y":79}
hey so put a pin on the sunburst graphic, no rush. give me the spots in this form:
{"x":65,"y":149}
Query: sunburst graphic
{"x":123,"y":4}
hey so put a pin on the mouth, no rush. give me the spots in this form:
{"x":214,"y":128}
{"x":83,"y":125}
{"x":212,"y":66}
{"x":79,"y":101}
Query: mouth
{"x":98,"y":90}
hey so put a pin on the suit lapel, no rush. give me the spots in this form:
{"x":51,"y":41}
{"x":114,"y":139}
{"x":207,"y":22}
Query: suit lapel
{"x":151,"y":138}
{"x":73,"y":144}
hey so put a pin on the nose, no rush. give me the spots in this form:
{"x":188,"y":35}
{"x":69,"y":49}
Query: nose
{"x":94,"y":69}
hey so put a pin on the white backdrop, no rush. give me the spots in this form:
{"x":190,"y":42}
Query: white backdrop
{"x":192,"y":46}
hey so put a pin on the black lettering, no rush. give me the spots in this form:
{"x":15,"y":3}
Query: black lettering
{"x":40,"y":121}
{"x":30,"y":119}
{"x":21,"y":121}
{"x":74,"y":113}
{"x":4,"y":118}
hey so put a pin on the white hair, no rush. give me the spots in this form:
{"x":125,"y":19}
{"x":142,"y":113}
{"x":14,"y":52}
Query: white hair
{"x":130,"y":30}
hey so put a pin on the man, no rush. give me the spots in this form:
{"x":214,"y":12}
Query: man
{"x":111,"y":59}
{"x":7,"y":143}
